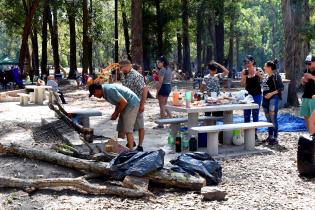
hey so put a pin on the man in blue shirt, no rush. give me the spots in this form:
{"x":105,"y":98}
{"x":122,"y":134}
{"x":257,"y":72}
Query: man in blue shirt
{"x":127,"y":106}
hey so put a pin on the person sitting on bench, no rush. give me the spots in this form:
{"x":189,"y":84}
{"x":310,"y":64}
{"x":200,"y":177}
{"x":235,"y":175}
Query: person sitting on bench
{"x":51,"y":82}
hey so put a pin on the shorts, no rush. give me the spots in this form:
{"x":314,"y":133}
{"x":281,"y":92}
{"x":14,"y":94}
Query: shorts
{"x":139,"y":121}
{"x":165,"y":90}
{"x":127,"y":119}
{"x":307,"y":107}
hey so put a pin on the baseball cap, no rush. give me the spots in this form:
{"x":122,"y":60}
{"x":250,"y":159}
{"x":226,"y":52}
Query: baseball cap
{"x":310,"y":58}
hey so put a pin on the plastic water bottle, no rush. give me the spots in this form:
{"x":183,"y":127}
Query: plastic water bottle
{"x":178,"y":142}
{"x":185,"y":141}
{"x":170,"y":140}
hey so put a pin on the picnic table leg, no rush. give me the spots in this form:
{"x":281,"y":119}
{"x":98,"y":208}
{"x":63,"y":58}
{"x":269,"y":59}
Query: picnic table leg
{"x":85,"y":121}
{"x":213,"y":143}
{"x":249,"y":137}
{"x":192,"y":122}
{"x":227,"y":119}
{"x":36,"y":95}
{"x":174,"y":129}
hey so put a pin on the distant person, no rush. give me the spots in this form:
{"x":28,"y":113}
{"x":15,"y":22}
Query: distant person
{"x":164,"y":85}
{"x":251,"y":79}
{"x":55,"y":88}
{"x":133,"y":80}
{"x":78,"y":78}
{"x":308,"y":81}
{"x":127,"y":106}
{"x":272,"y":87}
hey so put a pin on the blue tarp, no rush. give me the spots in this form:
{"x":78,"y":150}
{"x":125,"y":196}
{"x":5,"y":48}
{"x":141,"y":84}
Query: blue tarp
{"x":287,"y":122}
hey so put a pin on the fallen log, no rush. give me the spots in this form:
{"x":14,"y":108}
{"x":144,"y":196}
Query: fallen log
{"x":163,"y":176}
{"x":79,"y":184}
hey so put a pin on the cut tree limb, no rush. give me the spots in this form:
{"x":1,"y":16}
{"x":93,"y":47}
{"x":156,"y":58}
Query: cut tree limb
{"x":163,"y":176}
{"x":30,"y":185}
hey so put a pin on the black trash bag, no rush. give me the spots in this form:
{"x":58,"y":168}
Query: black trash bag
{"x":202,"y":164}
{"x":306,"y":156}
{"x":136,"y":163}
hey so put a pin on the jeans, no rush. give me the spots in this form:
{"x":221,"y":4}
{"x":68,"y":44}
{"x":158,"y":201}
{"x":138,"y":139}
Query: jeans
{"x":271,"y":111}
{"x":253,"y":112}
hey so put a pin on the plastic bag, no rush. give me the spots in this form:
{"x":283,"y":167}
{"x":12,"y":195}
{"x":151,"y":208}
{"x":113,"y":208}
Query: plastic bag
{"x":136,"y":163}
{"x":199,"y":163}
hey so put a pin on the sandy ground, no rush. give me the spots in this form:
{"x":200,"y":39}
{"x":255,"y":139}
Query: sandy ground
{"x":252,"y":182}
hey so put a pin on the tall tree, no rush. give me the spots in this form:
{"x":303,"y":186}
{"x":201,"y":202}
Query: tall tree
{"x":26,"y":31}
{"x":85,"y":44}
{"x":126,"y":27}
{"x":200,"y":32}
{"x":219,"y":30}
{"x":159,"y":24}
{"x":136,"y":32}
{"x":44,"y":38}
{"x":71,"y":11}
{"x":90,"y":39}
{"x":53,"y":27}
{"x":186,"y":47}
{"x":116,"y":31}
{"x":295,"y":17}
{"x":179,"y":49}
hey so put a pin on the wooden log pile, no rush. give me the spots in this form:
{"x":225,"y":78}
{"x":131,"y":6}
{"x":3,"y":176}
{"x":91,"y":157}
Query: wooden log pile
{"x":136,"y":187}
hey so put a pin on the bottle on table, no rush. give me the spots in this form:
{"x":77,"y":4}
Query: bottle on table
{"x":185,"y":141}
{"x":175,"y":96}
{"x":178,"y":142}
{"x":170,"y":140}
{"x":192,"y":144}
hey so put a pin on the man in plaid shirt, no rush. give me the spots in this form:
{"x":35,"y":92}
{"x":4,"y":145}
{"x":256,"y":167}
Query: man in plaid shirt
{"x":135,"y":82}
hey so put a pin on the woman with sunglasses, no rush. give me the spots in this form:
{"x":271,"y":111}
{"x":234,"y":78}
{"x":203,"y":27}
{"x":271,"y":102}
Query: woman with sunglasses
{"x":164,"y":86}
{"x":272,"y":86}
{"x":251,"y":78}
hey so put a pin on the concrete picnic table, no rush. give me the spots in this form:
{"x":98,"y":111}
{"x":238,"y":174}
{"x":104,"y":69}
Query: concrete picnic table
{"x":227,"y":109}
{"x":39,"y":92}
{"x":82,"y":116}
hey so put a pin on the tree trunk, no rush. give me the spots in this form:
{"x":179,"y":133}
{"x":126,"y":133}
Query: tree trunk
{"x":44,"y":39}
{"x":163,"y":176}
{"x":26,"y":32}
{"x":200,"y":30}
{"x":159,"y":24}
{"x":79,"y":184}
{"x":85,"y":44}
{"x":238,"y":64}
{"x":186,"y":47}
{"x":35,"y":56}
{"x":295,"y":17}
{"x":73,"y":45}
{"x":136,"y":32}
{"x":231,"y":39}
{"x":53,"y":27}
{"x":219,"y":32}
{"x":179,"y":50}
{"x":126,"y":27}
{"x":90,"y":41}
{"x":212,"y":54}
{"x":116,"y":31}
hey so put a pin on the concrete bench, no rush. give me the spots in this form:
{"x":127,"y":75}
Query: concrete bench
{"x":82,"y":116}
{"x":213,"y":132}
{"x":175,"y":122}
{"x":24,"y":98}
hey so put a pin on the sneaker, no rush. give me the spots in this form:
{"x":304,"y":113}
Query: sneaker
{"x":273,"y":142}
{"x":134,"y":144}
{"x":158,"y":127}
{"x":267,"y":140}
{"x":139,"y":148}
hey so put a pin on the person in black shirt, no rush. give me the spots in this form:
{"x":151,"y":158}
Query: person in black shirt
{"x":251,"y":79}
{"x":272,"y":86}
{"x":308,"y":81}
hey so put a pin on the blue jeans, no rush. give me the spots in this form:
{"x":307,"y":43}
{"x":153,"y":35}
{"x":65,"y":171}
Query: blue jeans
{"x":271,"y":111}
{"x":253,"y":112}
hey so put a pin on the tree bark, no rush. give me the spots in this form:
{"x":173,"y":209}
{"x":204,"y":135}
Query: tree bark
{"x":212,"y":54}
{"x":126,"y":27}
{"x":85,"y":44}
{"x":295,"y":17}
{"x":200,"y":30}
{"x":186,"y":47}
{"x":44,"y":39}
{"x":116,"y":31}
{"x":53,"y":27}
{"x":136,"y":32}
{"x":163,"y":176}
{"x":26,"y":32}
{"x":79,"y":184}
{"x":219,"y":32}
{"x":35,"y":55}
{"x":179,"y":50}
{"x":160,"y":29}
{"x":73,"y":44}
